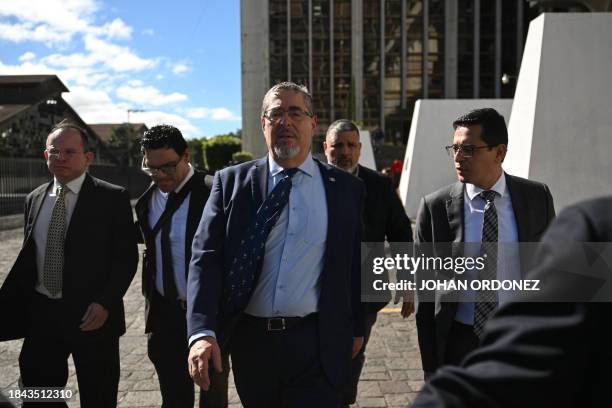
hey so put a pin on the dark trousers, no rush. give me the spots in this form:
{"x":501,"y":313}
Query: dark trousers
{"x":43,"y":361}
{"x":168,"y":351}
{"x":461,"y":341}
{"x":349,"y":393}
{"x":280,"y":368}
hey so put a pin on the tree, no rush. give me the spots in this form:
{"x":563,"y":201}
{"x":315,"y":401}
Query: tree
{"x":124,"y":144}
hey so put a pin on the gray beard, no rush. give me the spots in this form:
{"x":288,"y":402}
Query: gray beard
{"x":284,"y":153}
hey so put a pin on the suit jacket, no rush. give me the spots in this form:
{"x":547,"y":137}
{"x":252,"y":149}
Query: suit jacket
{"x":237,"y":193}
{"x":383,"y":216}
{"x":440,"y":219}
{"x":537,"y":354}
{"x":100,"y":260}
{"x":199,"y":194}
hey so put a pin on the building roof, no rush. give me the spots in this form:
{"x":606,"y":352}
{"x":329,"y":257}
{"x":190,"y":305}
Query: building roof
{"x":8,"y":111}
{"x":105,"y":130}
{"x":29,"y":89}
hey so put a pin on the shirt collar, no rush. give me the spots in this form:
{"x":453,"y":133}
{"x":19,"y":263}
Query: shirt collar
{"x":308,"y":167}
{"x":190,"y":174}
{"x":499,"y":187}
{"x":73,"y":185}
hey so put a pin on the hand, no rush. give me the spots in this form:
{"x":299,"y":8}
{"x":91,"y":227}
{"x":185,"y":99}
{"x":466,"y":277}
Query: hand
{"x":408,"y":305}
{"x":95,"y":316}
{"x":200,"y":353}
{"x":357,"y":344}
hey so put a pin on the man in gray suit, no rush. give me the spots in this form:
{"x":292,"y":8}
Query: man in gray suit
{"x":485,"y":205}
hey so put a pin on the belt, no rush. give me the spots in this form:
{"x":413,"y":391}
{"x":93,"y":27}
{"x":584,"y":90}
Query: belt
{"x":278,"y":324}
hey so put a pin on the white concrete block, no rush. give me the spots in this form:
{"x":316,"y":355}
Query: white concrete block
{"x":366,"y":158}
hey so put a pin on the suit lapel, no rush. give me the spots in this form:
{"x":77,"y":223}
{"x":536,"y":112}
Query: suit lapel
{"x":142,"y":209}
{"x":519,"y":206}
{"x":197,"y":200}
{"x":37,"y":201}
{"x":331,"y":196}
{"x":454,"y":212}
{"x":259,"y":181}
{"x":86,"y":199}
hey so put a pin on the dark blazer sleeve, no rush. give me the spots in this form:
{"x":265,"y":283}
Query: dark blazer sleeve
{"x":124,"y":251}
{"x":358,"y":308}
{"x":398,"y":227}
{"x":425,"y":308}
{"x":536,"y":354}
{"x":205,"y":282}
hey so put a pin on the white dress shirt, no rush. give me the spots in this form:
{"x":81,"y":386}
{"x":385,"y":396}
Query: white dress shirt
{"x":157,"y":205}
{"x":508,"y":263}
{"x":41,"y":226}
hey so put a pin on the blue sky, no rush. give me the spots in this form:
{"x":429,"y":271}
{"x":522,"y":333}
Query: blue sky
{"x":179,"y":61}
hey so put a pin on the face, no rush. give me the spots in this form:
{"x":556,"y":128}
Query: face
{"x":176,"y":167}
{"x":65,"y":155}
{"x":342,"y":149}
{"x":484,"y":167}
{"x":288,"y":139}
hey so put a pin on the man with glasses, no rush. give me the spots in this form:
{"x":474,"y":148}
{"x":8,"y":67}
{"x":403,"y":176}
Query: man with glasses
{"x":275,"y":268}
{"x":168,"y":214}
{"x":484,"y":207}
{"x":67,"y":285}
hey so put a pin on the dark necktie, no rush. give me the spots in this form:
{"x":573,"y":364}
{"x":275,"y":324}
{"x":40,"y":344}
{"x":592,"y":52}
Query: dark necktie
{"x":247,"y":263}
{"x":53,"y":266}
{"x":486,"y":300}
{"x":168,"y":268}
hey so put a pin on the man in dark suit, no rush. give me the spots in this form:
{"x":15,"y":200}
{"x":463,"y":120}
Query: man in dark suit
{"x":485,"y":205}
{"x":384,"y":219}
{"x":276,"y":257}
{"x":168,"y":214}
{"x":77,"y":261}
{"x":549,"y":348}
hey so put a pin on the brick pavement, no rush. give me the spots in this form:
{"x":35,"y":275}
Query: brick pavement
{"x":391,"y":376}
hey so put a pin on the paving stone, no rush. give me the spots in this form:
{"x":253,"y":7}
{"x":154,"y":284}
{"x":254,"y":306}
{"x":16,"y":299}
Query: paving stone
{"x":372,"y":403}
{"x":368,"y":389}
{"x":399,"y":400}
{"x":394,"y":387}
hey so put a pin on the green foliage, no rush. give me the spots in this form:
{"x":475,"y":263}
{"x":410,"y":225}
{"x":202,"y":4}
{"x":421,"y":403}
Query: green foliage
{"x":218,"y":151}
{"x":196,"y":153}
{"x":124,"y":144}
{"x":241,"y":157}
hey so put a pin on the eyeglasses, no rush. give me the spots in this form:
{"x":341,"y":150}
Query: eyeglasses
{"x":56,"y":153}
{"x":297,"y":114}
{"x":167,"y":169}
{"x":466,"y":150}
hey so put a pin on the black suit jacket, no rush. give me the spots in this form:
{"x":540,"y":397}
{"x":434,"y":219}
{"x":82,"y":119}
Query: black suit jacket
{"x":384,"y":217}
{"x":199,"y":194}
{"x":237,"y":193}
{"x":537,"y":354}
{"x":100,"y":260}
{"x":440,"y":219}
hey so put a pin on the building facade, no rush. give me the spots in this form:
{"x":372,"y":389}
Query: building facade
{"x":370,"y":60}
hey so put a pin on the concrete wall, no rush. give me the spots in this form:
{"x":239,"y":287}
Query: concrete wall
{"x":366,"y":158}
{"x":561,"y":122}
{"x":254,"y":23}
{"x":427,"y":167}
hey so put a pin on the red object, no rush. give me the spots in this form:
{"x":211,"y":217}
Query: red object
{"x":397,"y":166}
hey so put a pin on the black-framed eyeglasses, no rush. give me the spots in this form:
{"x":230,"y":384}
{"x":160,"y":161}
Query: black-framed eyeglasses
{"x":466,"y":150}
{"x":167,"y":169}
{"x":275,"y":115}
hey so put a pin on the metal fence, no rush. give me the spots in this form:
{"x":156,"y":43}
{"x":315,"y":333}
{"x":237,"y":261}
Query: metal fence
{"x":20,"y":176}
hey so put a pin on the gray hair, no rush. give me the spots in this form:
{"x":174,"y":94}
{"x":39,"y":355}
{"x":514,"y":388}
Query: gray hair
{"x":287,"y":86}
{"x":341,"y":125}
{"x":66,"y":124}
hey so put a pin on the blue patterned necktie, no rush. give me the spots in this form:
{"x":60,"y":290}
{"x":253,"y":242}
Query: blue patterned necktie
{"x":247,"y":263}
{"x":486,"y":300}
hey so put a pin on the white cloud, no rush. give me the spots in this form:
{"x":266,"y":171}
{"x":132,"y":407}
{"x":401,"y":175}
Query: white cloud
{"x":212,"y":113}
{"x":115,"y":29}
{"x":28,"y":56}
{"x":159,"y":77}
{"x":116,"y":57}
{"x":148,"y":95}
{"x":180,"y":68}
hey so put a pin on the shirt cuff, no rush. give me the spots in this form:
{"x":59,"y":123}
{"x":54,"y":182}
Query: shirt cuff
{"x":199,"y":334}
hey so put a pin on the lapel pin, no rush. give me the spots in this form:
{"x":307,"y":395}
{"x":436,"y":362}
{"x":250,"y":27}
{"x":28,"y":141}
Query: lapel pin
{"x":332,"y":179}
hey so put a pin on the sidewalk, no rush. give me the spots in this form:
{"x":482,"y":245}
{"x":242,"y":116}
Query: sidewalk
{"x":391,"y":378}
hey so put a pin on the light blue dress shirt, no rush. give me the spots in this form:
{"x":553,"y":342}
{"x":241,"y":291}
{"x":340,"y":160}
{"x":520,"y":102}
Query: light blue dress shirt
{"x":508,"y":263}
{"x":289,"y":284}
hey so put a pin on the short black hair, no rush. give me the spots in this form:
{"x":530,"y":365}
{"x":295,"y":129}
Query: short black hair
{"x":67,"y":124}
{"x":163,"y":136}
{"x":494,"y":131}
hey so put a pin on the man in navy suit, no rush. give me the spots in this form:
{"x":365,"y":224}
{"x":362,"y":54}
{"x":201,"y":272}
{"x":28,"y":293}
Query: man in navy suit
{"x":274,"y":275}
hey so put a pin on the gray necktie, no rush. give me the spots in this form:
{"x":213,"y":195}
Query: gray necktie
{"x":486,"y":300}
{"x":54,"y":252}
